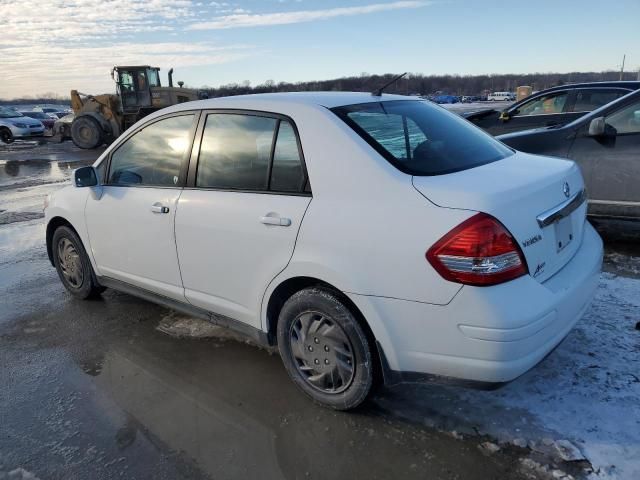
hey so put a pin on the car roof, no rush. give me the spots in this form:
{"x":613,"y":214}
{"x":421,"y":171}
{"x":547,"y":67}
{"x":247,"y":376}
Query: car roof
{"x":631,"y":85}
{"x":322,"y":99}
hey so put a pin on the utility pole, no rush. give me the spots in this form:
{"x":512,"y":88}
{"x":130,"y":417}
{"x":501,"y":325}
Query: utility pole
{"x":622,"y":67}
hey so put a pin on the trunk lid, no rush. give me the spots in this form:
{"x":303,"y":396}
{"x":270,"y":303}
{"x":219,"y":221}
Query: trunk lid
{"x":521,"y":191}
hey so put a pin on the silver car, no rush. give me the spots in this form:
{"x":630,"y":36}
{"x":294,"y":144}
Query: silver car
{"x":15,"y":125}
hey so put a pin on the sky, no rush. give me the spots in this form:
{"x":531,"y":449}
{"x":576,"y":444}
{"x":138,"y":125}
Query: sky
{"x":59,"y":45}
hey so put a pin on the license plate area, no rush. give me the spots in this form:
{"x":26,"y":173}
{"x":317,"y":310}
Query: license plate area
{"x":564,"y":233}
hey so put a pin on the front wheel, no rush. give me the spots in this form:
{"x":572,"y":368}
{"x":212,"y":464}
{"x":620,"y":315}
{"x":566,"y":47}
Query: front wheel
{"x":73,"y":265}
{"x":5,"y":135}
{"x":86,"y":132}
{"x":324,"y":349}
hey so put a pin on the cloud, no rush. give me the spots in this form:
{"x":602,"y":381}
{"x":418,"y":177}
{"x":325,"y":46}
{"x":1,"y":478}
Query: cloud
{"x":69,"y":44}
{"x":244,"y":20}
{"x":87,"y":68}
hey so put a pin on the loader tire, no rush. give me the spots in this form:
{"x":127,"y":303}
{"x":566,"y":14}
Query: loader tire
{"x":86,"y":132}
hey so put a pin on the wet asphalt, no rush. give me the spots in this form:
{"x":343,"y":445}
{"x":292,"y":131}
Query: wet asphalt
{"x":93,"y":390}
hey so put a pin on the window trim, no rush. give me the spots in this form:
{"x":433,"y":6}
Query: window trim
{"x":184,"y":162}
{"x":195,"y":152}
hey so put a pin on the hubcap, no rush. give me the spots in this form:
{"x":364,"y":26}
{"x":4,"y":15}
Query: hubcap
{"x":322,"y":352}
{"x":70,"y":263}
{"x":85,"y":133}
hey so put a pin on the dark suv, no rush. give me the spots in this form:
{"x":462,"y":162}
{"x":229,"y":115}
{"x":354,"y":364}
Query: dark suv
{"x":553,"y":106}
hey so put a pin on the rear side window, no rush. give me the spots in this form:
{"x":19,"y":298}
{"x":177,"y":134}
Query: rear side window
{"x":154,"y":156}
{"x":235,"y":152}
{"x":588,"y":100}
{"x":420,"y":138}
{"x":287,"y":174}
{"x":238,"y":153}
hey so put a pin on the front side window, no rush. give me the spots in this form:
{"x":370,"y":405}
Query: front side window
{"x":626,"y":120}
{"x":544,"y":105}
{"x":420,"y":138}
{"x":154,"y":156}
{"x":235,"y":152}
{"x":588,"y":100}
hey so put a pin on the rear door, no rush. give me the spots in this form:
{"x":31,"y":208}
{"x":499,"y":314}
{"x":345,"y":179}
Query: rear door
{"x":615,"y":163}
{"x":238,"y":219}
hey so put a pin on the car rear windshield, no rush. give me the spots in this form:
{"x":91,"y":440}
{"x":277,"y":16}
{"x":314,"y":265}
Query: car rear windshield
{"x":420,"y":138}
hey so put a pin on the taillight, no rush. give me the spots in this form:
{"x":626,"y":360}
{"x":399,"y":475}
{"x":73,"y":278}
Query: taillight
{"x":480,"y":251}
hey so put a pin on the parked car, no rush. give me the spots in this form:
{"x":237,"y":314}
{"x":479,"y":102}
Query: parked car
{"x":46,"y":120}
{"x":606,"y":145}
{"x":447,"y":99}
{"x":53,"y":112}
{"x":501,"y":97}
{"x":470,"y":99}
{"x":15,"y":125}
{"x":435,"y":251}
{"x":553,"y":106}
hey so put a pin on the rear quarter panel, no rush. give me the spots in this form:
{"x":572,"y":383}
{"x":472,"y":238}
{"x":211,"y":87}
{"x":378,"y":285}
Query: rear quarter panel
{"x":367,"y":229}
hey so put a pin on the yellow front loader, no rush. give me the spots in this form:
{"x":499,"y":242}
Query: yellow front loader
{"x":100,"y":119}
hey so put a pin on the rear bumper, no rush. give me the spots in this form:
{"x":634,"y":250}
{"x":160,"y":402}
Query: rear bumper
{"x":491,"y":334}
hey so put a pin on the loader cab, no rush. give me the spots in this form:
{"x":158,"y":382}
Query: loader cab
{"x":134,"y":85}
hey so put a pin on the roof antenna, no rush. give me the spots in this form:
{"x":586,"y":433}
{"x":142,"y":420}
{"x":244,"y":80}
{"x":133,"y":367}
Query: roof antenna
{"x":378,"y":92}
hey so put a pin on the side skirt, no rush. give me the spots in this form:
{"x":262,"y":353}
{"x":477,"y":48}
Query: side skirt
{"x":255,"y":334}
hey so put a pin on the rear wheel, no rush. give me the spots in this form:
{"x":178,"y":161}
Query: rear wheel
{"x":86,"y":132}
{"x":324,"y":349}
{"x":73,"y":265}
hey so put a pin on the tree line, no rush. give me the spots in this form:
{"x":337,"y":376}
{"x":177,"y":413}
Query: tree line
{"x":419,"y":84}
{"x":411,"y":84}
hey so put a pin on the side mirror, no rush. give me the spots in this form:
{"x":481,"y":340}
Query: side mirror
{"x":597,"y":127}
{"x":85,"y":177}
{"x":504,"y":116}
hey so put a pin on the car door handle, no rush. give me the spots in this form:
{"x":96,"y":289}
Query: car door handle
{"x":280,"y":221}
{"x":159,"y":208}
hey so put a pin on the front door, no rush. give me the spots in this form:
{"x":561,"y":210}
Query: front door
{"x":238,"y":219}
{"x":130,"y":219}
{"x":613,"y":183}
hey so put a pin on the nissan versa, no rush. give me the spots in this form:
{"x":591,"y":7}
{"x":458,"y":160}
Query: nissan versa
{"x":369,"y":237}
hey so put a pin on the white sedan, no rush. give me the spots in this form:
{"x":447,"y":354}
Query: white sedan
{"x":369,"y":237}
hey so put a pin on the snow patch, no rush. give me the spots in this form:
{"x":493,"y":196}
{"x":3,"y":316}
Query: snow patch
{"x":581,"y":401}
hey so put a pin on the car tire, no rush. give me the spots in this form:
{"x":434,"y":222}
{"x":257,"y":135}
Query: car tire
{"x":73,"y":265}
{"x":6,"y":136}
{"x":86,"y":132}
{"x":324,"y":349}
